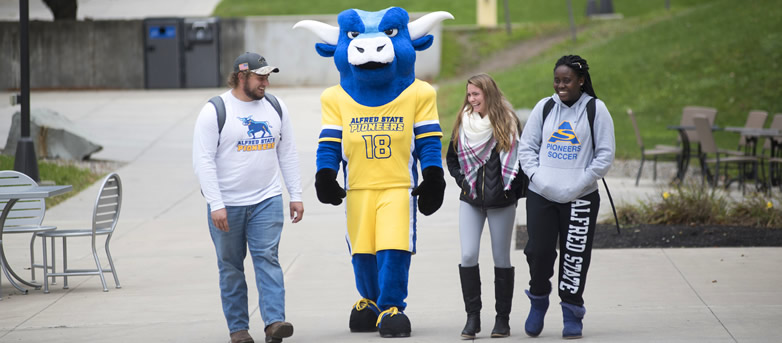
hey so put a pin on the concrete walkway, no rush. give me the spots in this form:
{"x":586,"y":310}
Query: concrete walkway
{"x":167,"y":267}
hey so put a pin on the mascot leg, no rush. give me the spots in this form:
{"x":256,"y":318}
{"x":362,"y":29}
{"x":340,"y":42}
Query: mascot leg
{"x":393,"y":268}
{"x":363,"y":317}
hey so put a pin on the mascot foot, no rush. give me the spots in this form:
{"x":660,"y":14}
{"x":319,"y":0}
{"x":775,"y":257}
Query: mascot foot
{"x":393,"y":323}
{"x":363,"y":318}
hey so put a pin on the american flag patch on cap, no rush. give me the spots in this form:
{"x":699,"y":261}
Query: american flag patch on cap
{"x":244,"y":66}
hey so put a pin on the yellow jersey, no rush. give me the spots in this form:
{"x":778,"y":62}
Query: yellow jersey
{"x":378,"y":143}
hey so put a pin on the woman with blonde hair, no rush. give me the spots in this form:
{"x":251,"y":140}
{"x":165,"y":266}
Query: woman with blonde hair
{"x":483,"y":159}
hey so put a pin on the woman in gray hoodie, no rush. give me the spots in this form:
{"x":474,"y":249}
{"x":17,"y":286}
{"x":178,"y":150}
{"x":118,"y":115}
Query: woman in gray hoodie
{"x":564,"y":155}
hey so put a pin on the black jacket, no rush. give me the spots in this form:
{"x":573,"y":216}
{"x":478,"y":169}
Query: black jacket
{"x":489,"y":186}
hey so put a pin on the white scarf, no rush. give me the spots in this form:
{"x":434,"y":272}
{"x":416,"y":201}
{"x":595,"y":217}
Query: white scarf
{"x":476,"y":142}
{"x":476,"y":129}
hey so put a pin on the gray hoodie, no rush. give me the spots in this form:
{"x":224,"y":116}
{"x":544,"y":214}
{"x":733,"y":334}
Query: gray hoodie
{"x":557,"y":155}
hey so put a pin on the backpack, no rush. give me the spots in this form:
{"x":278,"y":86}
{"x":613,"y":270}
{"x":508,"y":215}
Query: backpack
{"x":219,"y":105}
{"x":591,"y":110}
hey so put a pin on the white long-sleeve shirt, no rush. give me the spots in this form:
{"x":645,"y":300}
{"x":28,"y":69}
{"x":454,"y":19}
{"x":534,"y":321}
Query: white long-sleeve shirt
{"x":254,"y":146}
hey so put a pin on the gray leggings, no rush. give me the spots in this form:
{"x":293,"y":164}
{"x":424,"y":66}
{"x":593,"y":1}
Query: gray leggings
{"x":471,"y":220}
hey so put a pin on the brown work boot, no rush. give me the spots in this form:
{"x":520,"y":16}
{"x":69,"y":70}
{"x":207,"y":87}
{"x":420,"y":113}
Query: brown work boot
{"x":241,"y":337}
{"x":277,"y":331}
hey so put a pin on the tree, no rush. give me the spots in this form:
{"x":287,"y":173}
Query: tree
{"x":62,"y":9}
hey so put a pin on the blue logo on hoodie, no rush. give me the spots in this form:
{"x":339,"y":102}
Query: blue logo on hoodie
{"x":564,"y":133}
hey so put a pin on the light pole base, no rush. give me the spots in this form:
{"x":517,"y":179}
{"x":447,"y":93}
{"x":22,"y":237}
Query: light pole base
{"x":25,"y":161}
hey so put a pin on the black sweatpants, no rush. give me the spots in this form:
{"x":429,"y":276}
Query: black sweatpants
{"x":574,"y":225}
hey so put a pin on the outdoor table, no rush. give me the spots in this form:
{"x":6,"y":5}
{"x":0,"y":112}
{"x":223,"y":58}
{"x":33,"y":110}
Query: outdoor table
{"x":683,"y":160}
{"x":752,"y":137}
{"x":12,"y":197}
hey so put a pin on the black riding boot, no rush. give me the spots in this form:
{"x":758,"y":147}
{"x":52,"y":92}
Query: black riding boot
{"x":471,"y":291}
{"x":503,"y":295}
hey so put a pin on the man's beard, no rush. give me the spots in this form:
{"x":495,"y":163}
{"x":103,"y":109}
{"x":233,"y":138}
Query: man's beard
{"x":250,"y":93}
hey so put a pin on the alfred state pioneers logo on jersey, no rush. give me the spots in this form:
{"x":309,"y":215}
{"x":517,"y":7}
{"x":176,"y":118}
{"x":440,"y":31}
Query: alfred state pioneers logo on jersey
{"x":564,"y":133}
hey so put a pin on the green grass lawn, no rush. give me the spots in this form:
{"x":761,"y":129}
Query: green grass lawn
{"x":722,"y":54}
{"x":527,"y":11}
{"x":716,"y":53}
{"x":79,"y":178}
{"x":462,"y":10}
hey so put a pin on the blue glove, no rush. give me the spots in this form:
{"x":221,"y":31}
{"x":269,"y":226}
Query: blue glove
{"x":430,"y":191}
{"x":328,"y":189}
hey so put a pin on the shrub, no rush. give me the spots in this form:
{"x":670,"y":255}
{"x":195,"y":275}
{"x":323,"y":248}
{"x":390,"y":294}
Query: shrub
{"x":691,"y":204}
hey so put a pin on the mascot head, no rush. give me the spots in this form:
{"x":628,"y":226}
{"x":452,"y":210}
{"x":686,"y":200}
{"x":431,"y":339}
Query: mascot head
{"x":375,"y":51}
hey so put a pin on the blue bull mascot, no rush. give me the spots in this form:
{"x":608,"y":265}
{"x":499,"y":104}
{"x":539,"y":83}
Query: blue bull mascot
{"x":380,"y":122}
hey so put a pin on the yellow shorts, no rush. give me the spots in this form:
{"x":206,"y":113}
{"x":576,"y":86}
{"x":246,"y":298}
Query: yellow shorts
{"x":380,"y":220}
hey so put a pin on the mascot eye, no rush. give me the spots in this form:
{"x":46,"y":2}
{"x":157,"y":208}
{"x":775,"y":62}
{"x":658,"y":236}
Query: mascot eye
{"x":353,"y":34}
{"x":391,"y":32}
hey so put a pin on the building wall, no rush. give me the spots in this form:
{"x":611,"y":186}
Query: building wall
{"x":109,"y":54}
{"x":75,"y":54}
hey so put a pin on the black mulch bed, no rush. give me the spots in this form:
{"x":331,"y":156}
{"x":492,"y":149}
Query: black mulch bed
{"x":676,"y":236}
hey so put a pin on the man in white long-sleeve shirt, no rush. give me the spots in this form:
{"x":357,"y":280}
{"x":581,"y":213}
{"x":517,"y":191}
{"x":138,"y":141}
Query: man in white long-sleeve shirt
{"x":238,"y":165}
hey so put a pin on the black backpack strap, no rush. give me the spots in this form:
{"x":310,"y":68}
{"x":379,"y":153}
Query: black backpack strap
{"x":591,"y":112}
{"x":547,"y":109}
{"x":591,"y":109}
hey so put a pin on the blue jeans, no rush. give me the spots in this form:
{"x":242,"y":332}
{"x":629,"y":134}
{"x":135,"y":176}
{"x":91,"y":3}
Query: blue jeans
{"x":258,"y":227}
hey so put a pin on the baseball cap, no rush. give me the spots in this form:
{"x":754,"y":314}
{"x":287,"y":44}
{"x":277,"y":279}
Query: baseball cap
{"x":254,"y":63}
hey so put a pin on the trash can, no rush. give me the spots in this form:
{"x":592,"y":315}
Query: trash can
{"x":163,"y":53}
{"x":201,"y":52}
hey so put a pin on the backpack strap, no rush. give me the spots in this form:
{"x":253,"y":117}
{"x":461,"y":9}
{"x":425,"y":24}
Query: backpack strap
{"x":591,"y":109}
{"x":275,"y":103}
{"x":547,"y":109}
{"x":591,"y":112}
{"x":219,"y":105}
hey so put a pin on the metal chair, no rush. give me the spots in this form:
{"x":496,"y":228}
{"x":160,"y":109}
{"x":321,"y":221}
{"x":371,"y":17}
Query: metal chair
{"x":776,"y":123}
{"x":755,"y":120}
{"x":26,"y":215}
{"x":688,"y":113}
{"x":774,"y":159}
{"x":709,"y":146}
{"x":653,"y":153}
{"x":104,"y":220}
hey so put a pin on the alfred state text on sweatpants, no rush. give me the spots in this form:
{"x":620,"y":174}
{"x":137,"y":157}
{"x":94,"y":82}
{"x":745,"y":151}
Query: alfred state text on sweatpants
{"x":575,"y":244}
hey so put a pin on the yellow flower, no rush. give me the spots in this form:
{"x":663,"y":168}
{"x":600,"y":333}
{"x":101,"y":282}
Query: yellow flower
{"x":769,"y":204}
{"x":666,"y":195}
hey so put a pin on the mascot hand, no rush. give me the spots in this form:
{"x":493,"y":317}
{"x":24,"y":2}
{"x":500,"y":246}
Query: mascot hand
{"x":430,"y":191}
{"x":328,"y":189}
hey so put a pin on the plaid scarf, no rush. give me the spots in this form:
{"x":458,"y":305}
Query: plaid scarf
{"x":476,"y":143}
